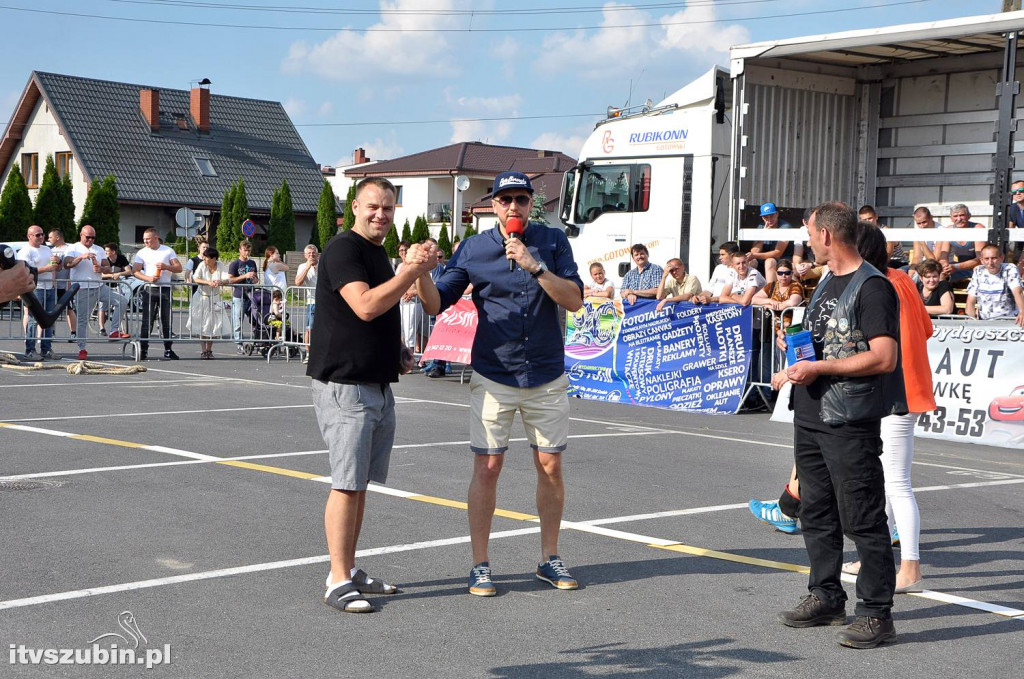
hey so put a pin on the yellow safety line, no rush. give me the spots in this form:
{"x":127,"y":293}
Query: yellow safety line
{"x":270,"y":470}
{"x":112,"y":442}
{"x":738,"y":558}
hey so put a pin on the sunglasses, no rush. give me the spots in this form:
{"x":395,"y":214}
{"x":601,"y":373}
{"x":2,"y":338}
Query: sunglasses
{"x":89,"y":237}
{"x":785,"y":273}
{"x":521,"y":200}
{"x":1016,"y":191}
{"x":36,"y":235}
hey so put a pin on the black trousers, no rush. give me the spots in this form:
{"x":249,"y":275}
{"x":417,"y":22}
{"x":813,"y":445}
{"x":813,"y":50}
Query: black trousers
{"x":156,"y":300}
{"x":842,"y":491}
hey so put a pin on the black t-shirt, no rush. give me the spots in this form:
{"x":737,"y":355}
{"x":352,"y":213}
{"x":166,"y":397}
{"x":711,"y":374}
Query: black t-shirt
{"x":935,"y":299}
{"x":342,"y":347}
{"x":878,"y":312}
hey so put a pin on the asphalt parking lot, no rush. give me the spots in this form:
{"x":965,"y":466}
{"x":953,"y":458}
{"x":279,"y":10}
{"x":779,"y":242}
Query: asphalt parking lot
{"x":191,"y":497}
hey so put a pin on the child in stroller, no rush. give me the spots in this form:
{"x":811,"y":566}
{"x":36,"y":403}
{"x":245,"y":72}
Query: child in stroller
{"x":269,"y":323}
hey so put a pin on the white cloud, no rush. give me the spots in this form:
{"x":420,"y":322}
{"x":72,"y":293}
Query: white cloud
{"x":491,"y":131}
{"x":610,"y":51}
{"x":294,"y":107}
{"x":325,"y":109}
{"x":705,"y":37}
{"x":380,"y":148}
{"x":569,"y":144}
{"x":359,"y":54}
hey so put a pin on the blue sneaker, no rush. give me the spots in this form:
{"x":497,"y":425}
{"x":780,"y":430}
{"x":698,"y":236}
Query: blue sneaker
{"x":769,"y":512}
{"x":480,"y":580}
{"x":895,"y":537}
{"x":554,"y":572}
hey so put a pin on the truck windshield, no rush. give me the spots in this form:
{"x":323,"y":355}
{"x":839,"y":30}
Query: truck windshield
{"x":612,"y":188}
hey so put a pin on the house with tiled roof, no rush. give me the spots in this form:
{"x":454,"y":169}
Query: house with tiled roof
{"x":428,"y":182}
{"x":168,"y":149}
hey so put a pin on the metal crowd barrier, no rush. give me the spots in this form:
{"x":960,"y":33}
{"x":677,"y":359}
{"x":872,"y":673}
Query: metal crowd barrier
{"x":767,"y":358}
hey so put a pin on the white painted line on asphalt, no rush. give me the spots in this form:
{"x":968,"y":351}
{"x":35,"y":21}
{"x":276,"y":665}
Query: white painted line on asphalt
{"x":665,"y":515}
{"x":240,"y":570}
{"x":158,"y":412}
{"x":977,"y":484}
{"x":967,"y":469}
{"x":90,"y":383}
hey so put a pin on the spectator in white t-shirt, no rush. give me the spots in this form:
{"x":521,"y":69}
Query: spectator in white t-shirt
{"x":274,"y":269}
{"x":305,"y":276}
{"x":722,"y":274}
{"x":154,"y":264}
{"x":995,"y":289}
{"x":745,"y":284}
{"x":62,"y":278}
{"x":88,"y":262}
{"x":42,"y":258}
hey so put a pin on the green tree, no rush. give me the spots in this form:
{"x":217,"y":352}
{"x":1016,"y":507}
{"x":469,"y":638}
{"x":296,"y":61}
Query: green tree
{"x":470,"y":231}
{"x":274,"y":223}
{"x":443,"y":242}
{"x":227,"y":213}
{"x":391,"y":242}
{"x":287,"y":224}
{"x":407,"y":232}
{"x":67,"y":204}
{"x":326,"y":216}
{"x":537,"y":213}
{"x":349,"y":218}
{"x":15,"y":207}
{"x":102,"y":210}
{"x":241,"y":211}
{"x":49,"y":210}
{"x":420,"y":231}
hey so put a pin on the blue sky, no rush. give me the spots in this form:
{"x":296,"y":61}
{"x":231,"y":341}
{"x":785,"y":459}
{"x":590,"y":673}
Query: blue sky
{"x":404,"y":76}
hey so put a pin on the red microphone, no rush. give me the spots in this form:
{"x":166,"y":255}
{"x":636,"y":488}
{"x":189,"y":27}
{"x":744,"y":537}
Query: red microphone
{"x":514,"y":229}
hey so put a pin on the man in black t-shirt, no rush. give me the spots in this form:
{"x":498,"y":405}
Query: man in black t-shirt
{"x":355,"y":354}
{"x":841,"y":481}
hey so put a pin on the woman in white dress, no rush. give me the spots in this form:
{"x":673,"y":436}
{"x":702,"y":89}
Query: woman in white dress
{"x":208,"y":315}
{"x":274,"y":270}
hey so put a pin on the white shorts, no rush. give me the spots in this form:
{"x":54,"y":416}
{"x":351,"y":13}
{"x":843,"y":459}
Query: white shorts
{"x":544,"y":410}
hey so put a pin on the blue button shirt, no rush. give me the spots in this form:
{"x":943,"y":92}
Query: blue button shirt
{"x":518,"y":338}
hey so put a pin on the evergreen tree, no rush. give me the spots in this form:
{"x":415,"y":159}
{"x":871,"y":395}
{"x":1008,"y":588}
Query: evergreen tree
{"x":15,"y":207}
{"x":443,"y":242}
{"x":287,"y":223}
{"x":49,"y":210}
{"x":407,"y":232}
{"x":274,"y":223}
{"x":391,"y":242}
{"x":67,"y":204}
{"x":227,"y":212}
{"x":241,"y":212}
{"x":102,"y":210}
{"x":420,"y":231}
{"x":326,"y":216}
{"x":349,"y":218}
{"x":470,"y":231}
{"x":538,"y":214}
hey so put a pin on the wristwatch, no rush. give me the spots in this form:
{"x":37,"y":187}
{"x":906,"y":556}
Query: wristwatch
{"x":540,"y":270}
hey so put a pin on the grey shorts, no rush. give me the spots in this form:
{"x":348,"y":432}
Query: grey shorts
{"x":357,"y":422}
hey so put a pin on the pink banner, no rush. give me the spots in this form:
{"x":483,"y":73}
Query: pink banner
{"x":452,"y":337}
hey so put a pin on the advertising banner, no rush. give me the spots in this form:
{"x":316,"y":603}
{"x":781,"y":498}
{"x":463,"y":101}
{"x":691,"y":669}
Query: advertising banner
{"x":453,"y":333}
{"x":978,"y":381}
{"x":685,"y":357}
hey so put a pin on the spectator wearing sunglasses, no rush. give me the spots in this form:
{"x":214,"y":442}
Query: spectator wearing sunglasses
{"x":1015,"y":217}
{"x":782,"y":293}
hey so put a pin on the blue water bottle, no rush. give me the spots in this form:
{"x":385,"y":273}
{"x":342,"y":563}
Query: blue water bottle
{"x":799,"y":344}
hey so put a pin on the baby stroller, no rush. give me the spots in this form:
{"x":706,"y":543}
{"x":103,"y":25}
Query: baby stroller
{"x":262,"y":333}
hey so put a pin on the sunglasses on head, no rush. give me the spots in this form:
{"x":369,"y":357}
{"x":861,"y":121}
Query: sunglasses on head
{"x":521,"y":200}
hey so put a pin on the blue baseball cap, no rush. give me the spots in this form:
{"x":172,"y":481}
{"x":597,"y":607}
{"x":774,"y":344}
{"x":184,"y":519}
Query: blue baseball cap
{"x":768,"y":209}
{"x":511,"y":180}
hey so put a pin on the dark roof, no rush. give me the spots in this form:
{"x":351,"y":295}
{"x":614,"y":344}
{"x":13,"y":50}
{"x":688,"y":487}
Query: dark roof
{"x":548,"y":183}
{"x":467,"y":157}
{"x":248,"y":138}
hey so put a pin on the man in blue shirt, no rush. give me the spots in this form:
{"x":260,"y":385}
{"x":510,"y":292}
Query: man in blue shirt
{"x":519,"y":285}
{"x":643,"y":281}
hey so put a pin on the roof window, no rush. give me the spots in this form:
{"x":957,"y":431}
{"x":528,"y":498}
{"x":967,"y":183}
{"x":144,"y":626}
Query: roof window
{"x":205,"y":166}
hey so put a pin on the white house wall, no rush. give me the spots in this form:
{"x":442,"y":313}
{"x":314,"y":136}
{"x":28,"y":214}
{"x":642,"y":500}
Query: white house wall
{"x":43,"y":136}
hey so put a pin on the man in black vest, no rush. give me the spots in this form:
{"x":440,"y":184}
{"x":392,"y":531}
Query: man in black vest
{"x":839,"y":400}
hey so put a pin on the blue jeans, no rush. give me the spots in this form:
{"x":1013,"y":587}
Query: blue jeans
{"x":48,"y":298}
{"x":237,"y":309}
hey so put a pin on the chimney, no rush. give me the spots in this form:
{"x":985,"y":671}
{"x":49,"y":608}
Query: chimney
{"x":149,"y":103}
{"x":544,"y":154}
{"x":359,"y":157}
{"x":199,"y":107}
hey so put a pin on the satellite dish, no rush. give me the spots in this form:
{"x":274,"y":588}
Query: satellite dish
{"x":462,"y":182}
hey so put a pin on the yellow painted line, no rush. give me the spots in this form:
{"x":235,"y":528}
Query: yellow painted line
{"x":111,"y":442}
{"x":281,"y":471}
{"x":737,"y":558}
{"x":456,"y":504}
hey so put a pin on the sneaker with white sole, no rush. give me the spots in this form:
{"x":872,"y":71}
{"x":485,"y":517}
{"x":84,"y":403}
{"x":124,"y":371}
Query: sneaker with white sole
{"x":770,"y":513}
{"x":31,"y":355}
{"x":480,"y":580}
{"x":554,"y":572}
